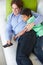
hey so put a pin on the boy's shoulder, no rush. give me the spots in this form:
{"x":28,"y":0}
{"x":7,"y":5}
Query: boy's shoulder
{"x":31,"y":19}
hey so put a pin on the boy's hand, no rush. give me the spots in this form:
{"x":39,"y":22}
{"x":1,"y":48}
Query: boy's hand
{"x":29,"y":26}
{"x":15,"y":37}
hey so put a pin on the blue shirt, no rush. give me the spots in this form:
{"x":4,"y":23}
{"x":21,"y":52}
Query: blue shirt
{"x":15,"y":24}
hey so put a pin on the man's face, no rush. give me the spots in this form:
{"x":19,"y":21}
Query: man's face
{"x":15,"y":9}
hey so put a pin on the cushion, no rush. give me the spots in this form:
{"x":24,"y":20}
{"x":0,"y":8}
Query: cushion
{"x":8,"y":7}
{"x":32,"y":4}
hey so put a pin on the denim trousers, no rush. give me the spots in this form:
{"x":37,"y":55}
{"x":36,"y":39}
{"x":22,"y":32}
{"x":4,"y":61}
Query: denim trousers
{"x":38,"y":49}
{"x":25,"y":46}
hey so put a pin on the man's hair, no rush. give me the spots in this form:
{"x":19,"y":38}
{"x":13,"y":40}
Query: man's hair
{"x":19,"y":3}
{"x":26,"y":11}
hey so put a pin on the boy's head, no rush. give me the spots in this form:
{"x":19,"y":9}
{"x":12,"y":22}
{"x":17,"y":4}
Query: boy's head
{"x":26,"y":14}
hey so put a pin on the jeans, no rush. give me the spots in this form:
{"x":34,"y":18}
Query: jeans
{"x":25,"y":46}
{"x":38,"y":49}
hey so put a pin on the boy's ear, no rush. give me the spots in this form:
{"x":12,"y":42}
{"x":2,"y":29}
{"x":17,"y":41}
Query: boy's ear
{"x":29,"y":16}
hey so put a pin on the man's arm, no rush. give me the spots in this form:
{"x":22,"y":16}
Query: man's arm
{"x":8,"y":31}
{"x":39,"y":18}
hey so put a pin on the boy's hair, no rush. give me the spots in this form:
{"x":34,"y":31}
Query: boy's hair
{"x":26,"y":12}
{"x":19,"y":3}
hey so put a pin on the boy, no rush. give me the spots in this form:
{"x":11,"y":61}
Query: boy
{"x":28,"y":18}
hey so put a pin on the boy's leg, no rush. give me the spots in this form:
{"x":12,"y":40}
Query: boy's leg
{"x":24,"y":49}
{"x":38,"y":50}
{"x":21,"y":58}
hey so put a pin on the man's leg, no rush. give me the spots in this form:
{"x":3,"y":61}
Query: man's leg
{"x":38,"y":50}
{"x":24,"y":49}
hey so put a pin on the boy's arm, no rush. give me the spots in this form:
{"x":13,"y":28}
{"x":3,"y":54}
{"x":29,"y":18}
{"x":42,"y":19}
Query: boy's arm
{"x":21,"y":33}
{"x":29,"y":26}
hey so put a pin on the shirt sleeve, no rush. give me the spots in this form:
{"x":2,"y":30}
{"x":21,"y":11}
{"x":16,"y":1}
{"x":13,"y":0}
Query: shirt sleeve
{"x":39,"y":18}
{"x":8,"y":31}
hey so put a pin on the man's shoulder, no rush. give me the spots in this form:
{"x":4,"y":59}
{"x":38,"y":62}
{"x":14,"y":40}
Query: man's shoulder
{"x":10,"y":15}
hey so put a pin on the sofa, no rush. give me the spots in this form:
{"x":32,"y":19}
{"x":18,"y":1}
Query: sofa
{"x":10,"y":52}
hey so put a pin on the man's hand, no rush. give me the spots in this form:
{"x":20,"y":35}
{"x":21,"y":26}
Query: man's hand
{"x":9,"y":42}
